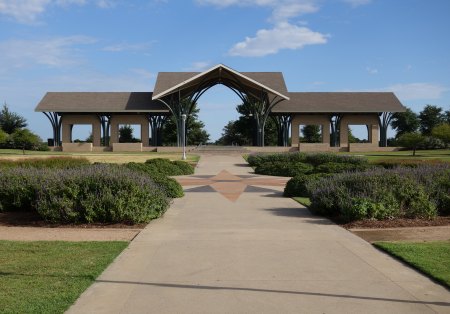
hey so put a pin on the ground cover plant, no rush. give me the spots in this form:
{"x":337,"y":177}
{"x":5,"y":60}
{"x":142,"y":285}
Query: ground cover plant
{"x":431,"y":258}
{"x":47,"y":277}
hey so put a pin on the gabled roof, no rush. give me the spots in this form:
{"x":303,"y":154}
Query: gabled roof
{"x":100,"y":102}
{"x":186,"y":82}
{"x":329,"y":102}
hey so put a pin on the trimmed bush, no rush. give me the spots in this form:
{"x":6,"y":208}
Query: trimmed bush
{"x":382,"y":194}
{"x":284,"y":169}
{"x":297,"y":185}
{"x":172,"y":188}
{"x":170,"y":168}
{"x":51,"y":162}
{"x":100,"y":193}
{"x":335,"y":167}
{"x":317,"y":159}
{"x":18,"y":188}
{"x":411,"y":163}
{"x":255,"y":160}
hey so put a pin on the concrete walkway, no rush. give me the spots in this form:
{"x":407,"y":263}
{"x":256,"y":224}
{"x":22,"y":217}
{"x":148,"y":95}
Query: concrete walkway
{"x":258,"y":252}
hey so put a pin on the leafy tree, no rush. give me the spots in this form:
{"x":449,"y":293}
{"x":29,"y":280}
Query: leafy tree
{"x":10,"y":121}
{"x":352,"y":138}
{"x":3,"y":137}
{"x":447,"y":116}
{"x":311,"y":133}
{"x":405,"y":122}
{"x":430,"y":117}
{"x":25,"y":139}
{"x":411,"y":140}
{"x":195,"y":131}
{"x":442,"y":132}
{"x":126,"y":134}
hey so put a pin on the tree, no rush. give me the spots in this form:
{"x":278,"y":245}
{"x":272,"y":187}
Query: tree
{"x":3,"y":137}
{"x":10,"y":121}
{"x":411,"y":140}
{"x":126,"y":134}
{"x":442,"y":132}
{"x":195,"y":131}
{"x":25,"y":139}
{"x":311,"y":133}
{"x":447,"y":116}
{"x":430,"y":117}
{"x":405,"y":122}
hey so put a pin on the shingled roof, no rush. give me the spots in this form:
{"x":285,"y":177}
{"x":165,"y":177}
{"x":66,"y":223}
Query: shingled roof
{"x":169,"y":82}
{"x":100,"y":102}
{"x":328,"y":102}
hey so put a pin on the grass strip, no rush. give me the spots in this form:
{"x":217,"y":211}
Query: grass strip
{"x":431,"y":258}
{"x":305,"y":201}
{"x":48,"y":276}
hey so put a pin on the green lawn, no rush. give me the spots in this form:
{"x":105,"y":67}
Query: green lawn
{"x":440,"y":154}
{"x":97,"y":156}
{"x":303,"y":200}
{"x":47,"y":277}
{"x":431,"y":258}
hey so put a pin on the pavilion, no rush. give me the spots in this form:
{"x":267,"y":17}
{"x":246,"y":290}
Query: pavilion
{"x":175,"y":94}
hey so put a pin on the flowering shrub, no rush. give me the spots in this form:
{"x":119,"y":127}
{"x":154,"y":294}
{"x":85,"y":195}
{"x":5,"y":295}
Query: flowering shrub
{"x":172,"y":188}
{"x":381,"y":193}
{"x":99,"y":193}
{"x":51,"y":162}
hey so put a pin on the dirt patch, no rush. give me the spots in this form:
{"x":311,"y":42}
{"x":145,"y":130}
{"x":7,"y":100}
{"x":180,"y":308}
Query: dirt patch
{"x":396,"y":223}
{"x":23,"y":226}
{"x":401,"y":229}
{"x":415,"y":234}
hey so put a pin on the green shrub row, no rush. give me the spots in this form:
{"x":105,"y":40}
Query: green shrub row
{"x":314,"y":159}
{"x":381,"y":193}
{"x":169,"y":168}
{"x":99,"y":193}
{"x":172,"y":188}
{"x":411,"y":163}
{"x":51,"y":162}
{"x":297,"y":186}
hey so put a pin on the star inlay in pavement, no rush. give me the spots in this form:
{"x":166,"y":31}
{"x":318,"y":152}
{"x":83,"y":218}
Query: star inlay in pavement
{"x":229,"y":185}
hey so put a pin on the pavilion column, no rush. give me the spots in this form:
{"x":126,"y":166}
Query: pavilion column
{"x":326,"y":133}
{"x":114,"y":131}
{"x":343,"y":134}
{"x":295,"y":131}
{"x":66,"y":131}
{"x":96,"y":133}
{"x":374,"y":134}
{"x":145,"y":135}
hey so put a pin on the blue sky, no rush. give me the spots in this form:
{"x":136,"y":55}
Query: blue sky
{"x":320,"y":45}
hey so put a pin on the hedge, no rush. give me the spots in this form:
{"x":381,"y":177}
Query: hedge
{"x":169,"y":168}
{"x":51,"y":162}
{"x":383,"y":194}
{"x":297,"y":185}
{"x":336,"y":167}
{"x":284,"y":169}
{"x":99,"y":193}
{"x":411,"y":163}
{"x":172,"y":188}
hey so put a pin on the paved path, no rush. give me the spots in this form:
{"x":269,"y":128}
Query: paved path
{"x":234,"y":245}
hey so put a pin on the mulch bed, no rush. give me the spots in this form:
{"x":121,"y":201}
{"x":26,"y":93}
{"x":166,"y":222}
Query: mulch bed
{"x":395,"y":223}
{"x":30,"y":219}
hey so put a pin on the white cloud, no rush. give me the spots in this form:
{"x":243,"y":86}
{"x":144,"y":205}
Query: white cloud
{"x":417,"y":91}
{"x":371,"y":70}
{"x":54,"y":52}
{"x":127,"y":47}
{"x":357,"y":3}
{"x":198,"y":66}
{"x":282,"y":36}
{"x":24,"y":11}
{"x":27,"y":11}
{"x":284,"y":11}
